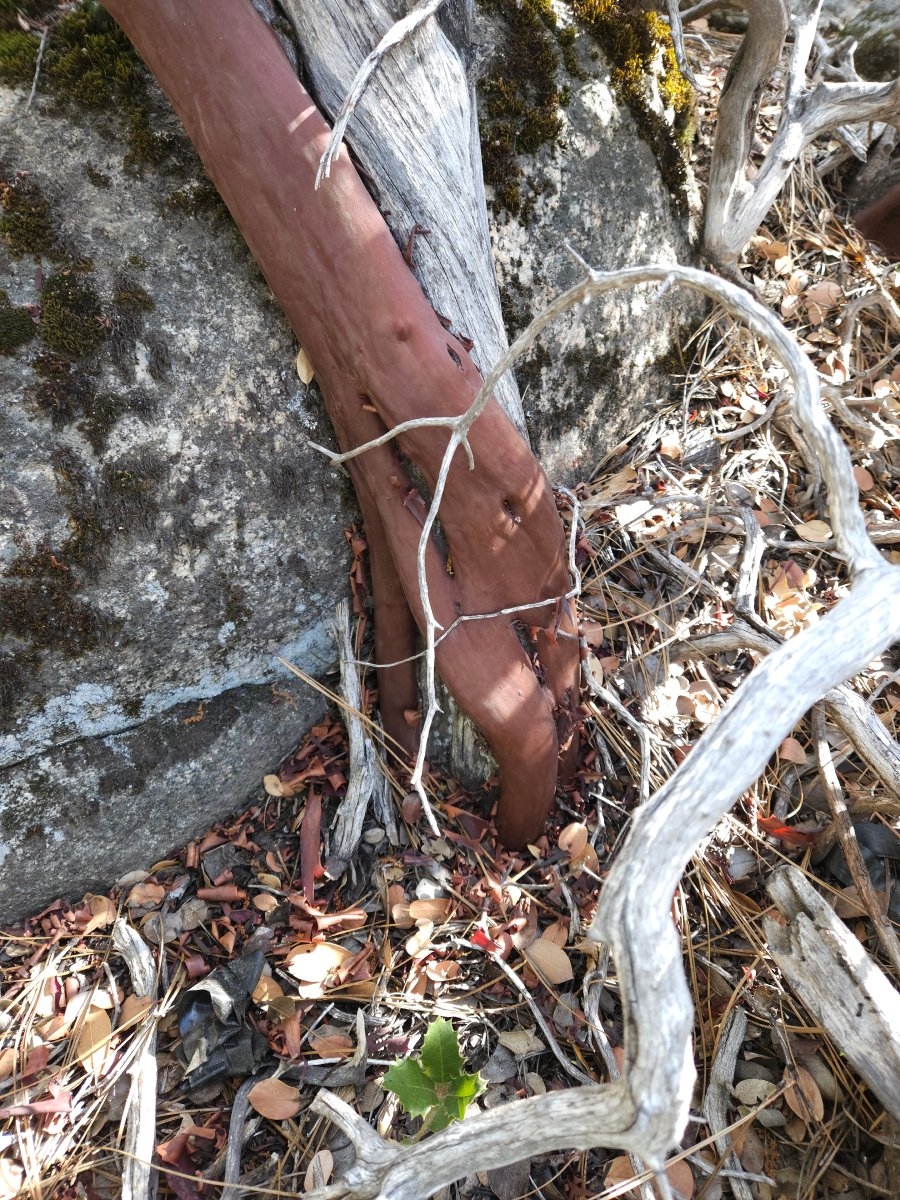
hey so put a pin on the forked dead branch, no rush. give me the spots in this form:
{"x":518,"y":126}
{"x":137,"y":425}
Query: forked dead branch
{"x":645,"y":1111}
{"x":736,"y":204}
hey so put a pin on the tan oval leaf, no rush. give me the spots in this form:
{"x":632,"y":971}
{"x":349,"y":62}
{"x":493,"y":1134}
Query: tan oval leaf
{"x":275,"y":1099}
{"x":791,"y":751}
{"x":436,"y":910}
{"x":587,"y":860}
{"x":441,"y":972}
{"x":550,"y":961}
{"x":557,"y":932}
{"x":400,"y":915}
{"x":12,"y":1174}
{"x":319,"y":1170}
{"x":312,"y":963}
{"x":865,"y":480}
{"x":133,"y":1009}
{"x":331,"y":1044}
{"x":265,"y":902}
{"x":273,"y":785}
{"x":304,"y":367}
{"x":421,"y":939}
{"x":267,"y":989}
{"x":573,"y":839}
{"x":804,"y":1097}
{"x":620,"y":1172}
{"x":813,"y":531}
{"x":92,"y":1044}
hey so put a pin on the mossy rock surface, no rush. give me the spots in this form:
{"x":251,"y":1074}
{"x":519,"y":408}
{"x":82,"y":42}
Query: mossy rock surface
{"x":599,"y":186}
{"x":152,"y":559}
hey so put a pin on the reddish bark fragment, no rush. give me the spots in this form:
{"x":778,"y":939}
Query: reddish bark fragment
{"x":381,"y":356}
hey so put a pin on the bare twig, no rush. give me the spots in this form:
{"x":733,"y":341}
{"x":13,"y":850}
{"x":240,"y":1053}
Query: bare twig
{"x":645,"y":1111}
{"x":736,"y":204}
{"x":846,"y":992}
{"x":718,"y":1095}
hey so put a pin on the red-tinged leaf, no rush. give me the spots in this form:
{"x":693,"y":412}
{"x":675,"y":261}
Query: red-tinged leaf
{"x":481,"y":939}
{"x":794,"y":837}
{"x":310,"y":834}
{"x":275,"y":1099}
{"x":227,"y":893}
{"x":59,"y":1101}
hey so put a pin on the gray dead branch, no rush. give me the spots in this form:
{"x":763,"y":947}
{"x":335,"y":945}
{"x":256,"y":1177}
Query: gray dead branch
{"x":838,"y":982}
{"x":737,"y":204}
{"x":139,"y":1118}
{"x":365,"y":781}
{"x":645,"y":1111}
{"x":414,"y":129}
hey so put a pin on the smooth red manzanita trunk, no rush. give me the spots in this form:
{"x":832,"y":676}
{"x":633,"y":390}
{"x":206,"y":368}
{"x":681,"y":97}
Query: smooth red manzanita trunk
{"x":381,"y":357}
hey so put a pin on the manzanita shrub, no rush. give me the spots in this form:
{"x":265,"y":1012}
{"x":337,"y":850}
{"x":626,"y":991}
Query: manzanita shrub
{"x":435,"y":1085}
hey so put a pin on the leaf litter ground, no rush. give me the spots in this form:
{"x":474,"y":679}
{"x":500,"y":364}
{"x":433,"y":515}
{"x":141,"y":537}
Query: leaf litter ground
{"x":700,"y":542}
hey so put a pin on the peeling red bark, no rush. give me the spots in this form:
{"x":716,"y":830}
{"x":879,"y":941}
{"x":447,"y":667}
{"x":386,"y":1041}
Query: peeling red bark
{"x":376,"y":343}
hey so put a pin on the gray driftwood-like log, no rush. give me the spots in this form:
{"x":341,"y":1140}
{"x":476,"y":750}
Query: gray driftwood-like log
{"x":645,"y":1111}
{"x":838,"y":982}
{"x":736,"y":204}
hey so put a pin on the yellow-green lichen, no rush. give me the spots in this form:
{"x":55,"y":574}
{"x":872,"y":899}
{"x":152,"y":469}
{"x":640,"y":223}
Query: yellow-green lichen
{"x":17,"y":326}
{"x":639,"y":46}
{"x":71,"y":320}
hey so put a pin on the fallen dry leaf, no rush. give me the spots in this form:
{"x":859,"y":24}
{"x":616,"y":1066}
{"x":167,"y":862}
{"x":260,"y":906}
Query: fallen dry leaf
{"x":304,"y":367}
{"x":437,"y":910}
{"x":550,"y":961}
{"x":329,"y":1042}
{"x":319,"y":1170}
{"x":573,"y":838}
{"x":92,"y":1048}
{"x":803,"y":1096}
{"x":813,"y":531}
{"x":792,"y":751}
{"x":275,"y":1099}
{"x":313,"y":962}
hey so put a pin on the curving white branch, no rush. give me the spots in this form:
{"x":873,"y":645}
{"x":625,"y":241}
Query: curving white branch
{"x":645,"y":1111}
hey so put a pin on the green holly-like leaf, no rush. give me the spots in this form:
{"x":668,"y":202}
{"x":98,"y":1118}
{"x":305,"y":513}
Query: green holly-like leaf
{"x":440,"y":1057}
{"x":435,"y":1085}
{"x":411,"y":1086}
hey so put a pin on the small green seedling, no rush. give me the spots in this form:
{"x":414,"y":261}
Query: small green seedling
{"x":435,"y":1085}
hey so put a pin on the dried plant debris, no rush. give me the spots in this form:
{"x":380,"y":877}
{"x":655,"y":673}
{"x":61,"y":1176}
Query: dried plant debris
{"x":701,"y":545}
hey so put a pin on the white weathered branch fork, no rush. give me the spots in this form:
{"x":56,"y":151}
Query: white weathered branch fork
{"x":645,"y":1111}
{"x":736,"y":204}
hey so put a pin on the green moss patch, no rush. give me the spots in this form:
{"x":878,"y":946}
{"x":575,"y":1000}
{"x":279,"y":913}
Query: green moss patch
{"x":26,"y":219}
{"x":521,"y":98}
{"x":16,"y":326}
{"x":639,"y":47}
{"x":88,"y":63}
{"x":71,"y":319}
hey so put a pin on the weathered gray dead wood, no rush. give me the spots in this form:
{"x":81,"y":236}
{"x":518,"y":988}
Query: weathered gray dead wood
{"x":645,"y":1111}
{"x":415,"y":133}
{"x":736,"y":204}
{"x":838,"y":982}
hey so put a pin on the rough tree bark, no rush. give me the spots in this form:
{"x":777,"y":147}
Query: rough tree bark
{"x":383,"y":357}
